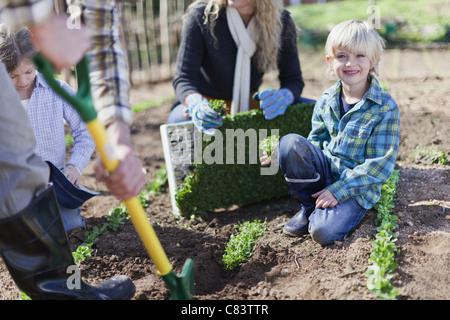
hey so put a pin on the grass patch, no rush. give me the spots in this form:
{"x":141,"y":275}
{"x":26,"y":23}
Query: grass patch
{"x":69,"y":140}
{"x":195,"y":195}
{"x":429,"y":156}
{"x":150,"y":104}
{"x":401,"y":22}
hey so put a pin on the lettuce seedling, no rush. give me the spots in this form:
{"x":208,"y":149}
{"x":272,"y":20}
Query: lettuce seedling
{"x":241,"y":246}
{"x":269,"y":145}
{"x":220,"y":107}
{"x":382,"y":264}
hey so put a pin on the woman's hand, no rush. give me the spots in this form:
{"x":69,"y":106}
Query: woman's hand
{"x":274,"y":102}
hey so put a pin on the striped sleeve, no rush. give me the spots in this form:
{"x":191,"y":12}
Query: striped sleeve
{"x":107,"y":62}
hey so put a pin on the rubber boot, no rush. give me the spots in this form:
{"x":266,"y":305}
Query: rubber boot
{"x":299,"y":224}
{"x":301,"y":192}
{"x":35,"y":248}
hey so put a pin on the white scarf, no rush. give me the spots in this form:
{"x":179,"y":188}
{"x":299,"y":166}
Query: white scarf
{"x":246,"y":48}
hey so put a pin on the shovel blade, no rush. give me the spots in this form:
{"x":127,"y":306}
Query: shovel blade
{"x":181,"y":286}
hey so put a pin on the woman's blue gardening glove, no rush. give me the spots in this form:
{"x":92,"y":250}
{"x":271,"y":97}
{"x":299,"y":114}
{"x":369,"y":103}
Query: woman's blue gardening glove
{"x":274,"y":102}
{"x":204,"y":117}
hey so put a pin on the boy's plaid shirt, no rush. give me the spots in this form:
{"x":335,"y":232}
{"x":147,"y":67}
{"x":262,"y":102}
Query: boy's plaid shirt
{"x":362,"y":146}
{"x":109,"y":76}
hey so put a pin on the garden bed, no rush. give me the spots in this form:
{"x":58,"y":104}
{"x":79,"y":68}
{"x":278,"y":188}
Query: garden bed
{"x":283,"y":267}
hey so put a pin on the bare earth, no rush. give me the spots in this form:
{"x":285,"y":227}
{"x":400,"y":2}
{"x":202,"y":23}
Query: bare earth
{"x":294,"y":268}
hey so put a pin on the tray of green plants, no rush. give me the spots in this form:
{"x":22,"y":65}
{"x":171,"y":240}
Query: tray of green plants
{"x":225,"y":168}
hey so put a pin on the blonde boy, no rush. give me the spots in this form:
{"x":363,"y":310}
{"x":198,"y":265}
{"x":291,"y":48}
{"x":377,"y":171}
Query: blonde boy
{"x":336,"y":173}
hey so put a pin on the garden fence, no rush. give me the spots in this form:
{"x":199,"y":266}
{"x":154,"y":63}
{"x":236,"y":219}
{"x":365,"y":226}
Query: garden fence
{"x":151,"y":33}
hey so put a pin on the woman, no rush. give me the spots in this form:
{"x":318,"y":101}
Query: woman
{"x":226,"y":48}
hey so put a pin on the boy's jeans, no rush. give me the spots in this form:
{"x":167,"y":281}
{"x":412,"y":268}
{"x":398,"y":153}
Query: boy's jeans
{"x":307,"y":171}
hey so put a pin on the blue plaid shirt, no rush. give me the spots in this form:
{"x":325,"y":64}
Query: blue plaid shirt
{"x":361,"y":146}
{"x":47,"y":112}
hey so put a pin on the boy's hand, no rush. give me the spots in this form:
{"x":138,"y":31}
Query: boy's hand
{"x":267,"y":160}
{"x":72,"y":173}
{"x":325,"y":199}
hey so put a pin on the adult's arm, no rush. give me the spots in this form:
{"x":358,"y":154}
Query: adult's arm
{"x":190,"y":55}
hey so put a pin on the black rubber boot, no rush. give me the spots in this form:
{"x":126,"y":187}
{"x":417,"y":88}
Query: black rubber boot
{"x":35,"y":248}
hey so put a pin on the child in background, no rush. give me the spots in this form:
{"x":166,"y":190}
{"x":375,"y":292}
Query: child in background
{"x":336,"y":174}
{"x":47,"y":112}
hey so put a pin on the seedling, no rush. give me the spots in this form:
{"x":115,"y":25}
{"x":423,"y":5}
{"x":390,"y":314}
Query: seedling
{"x":269,"y":145}
{"x":241,"y":246}
{"x":117,"y":217}
{"x":430,"y":155}
{"x":382,"y":264}
{"x":219,"y":106}
{"x":83,"y":252}
{"x":23,"y":296}
{"x":155,"y":187}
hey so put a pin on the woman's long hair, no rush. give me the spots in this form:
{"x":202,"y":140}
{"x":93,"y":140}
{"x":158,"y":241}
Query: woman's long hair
{"x":268,"y":28}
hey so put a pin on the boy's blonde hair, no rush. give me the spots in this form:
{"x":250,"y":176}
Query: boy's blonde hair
{"x":355,"y":36}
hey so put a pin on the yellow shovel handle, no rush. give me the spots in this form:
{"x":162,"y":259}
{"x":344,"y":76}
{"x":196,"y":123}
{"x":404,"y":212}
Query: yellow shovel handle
{"x":98,"y":133}
{"x":137,"y":213}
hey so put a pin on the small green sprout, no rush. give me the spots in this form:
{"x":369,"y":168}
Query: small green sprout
{"x":430,"y":155}
{"x":219,"y":106}
{"x":269,"y":145}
